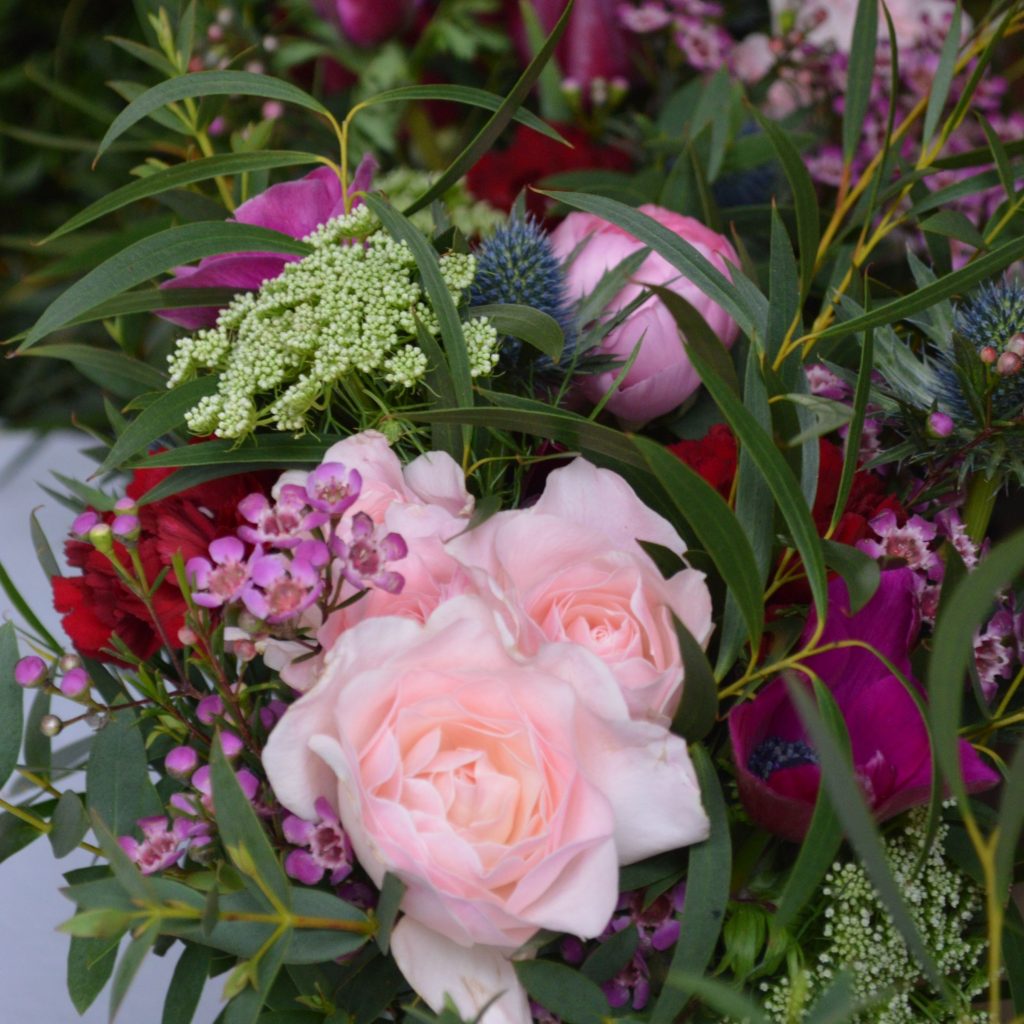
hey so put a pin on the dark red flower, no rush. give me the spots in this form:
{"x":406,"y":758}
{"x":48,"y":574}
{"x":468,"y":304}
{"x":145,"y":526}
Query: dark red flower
{"x":714,"y":457}
{"x":96,"y":606}
{"x":499,"y":177}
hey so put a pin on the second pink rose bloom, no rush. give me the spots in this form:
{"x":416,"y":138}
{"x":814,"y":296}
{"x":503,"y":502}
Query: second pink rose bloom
{"x":662,"y":377}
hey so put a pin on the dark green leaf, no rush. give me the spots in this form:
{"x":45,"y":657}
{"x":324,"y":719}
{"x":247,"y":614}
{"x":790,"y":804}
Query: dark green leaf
{"x":1013,"y":954}
{"x":713,"y":521}
{"x":154,"y":255}
{"x":611,"y":956}
{"x":444,"y":437}
{"x":12,"y":698}
{"x":391,"y":893}
{"x":707,"y":896}
{"x":840,"y":1003}
{"x":954,"y":224}
{"x":23,"y":609}
{"x":68,"y":824}
{"x":847,"y":801}
{"x":90,"y":965}
{"x":318,"y":945}
{"x":851,"y":446}
{"x":38,"y":748}
{"x":860,"y":572}
{"x":484,"y":140}
{"x":162,"y":417}
{"x":777,"y":475}
{"x":243,"y":835}
{"x":860,"y":77}
{"x":131,"y":961}
{"x":208,"y":83}
{"x":15,"y":835}
{"x":47,"y":561}
{"x":112,"y":371}
{"x":716,"y":994}
{"x":564,"y":991}
{"x":117,"y":782}
{"x":784,"y":284}
{"x":527,"y":324}
{"x":1011,"y":821}
{"x":698,"y":707}
{"x":278,"y":449}
{"x":187,"y":984}
{"x":182,"y":174}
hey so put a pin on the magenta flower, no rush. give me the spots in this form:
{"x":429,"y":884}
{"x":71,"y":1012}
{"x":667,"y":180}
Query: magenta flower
{"x":162,"y":846}
{"x":365,"y":555}
{"x":281,"y":525}
{"x":776,"y":766}
{"x":294,"y":208}
{"x":221,"y":580}
{"x":281,"y":588}
{"x":368,"y":22}
{"x":332,"y":488}
{"x":326,"y":847}
{"x":30,"y":671}
{"x":908,"y":543}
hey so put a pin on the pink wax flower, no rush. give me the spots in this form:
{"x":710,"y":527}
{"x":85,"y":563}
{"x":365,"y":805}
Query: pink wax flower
{"x":571,"y":570}
{"x":504,"y":792}
{"x":367,"y":553}
{"x":325,"y":847}
{"x":776,"y":767}
{"x":163,"y":845}
{"x":294,"y":208}
{"x":281,"y":588}
{"x":221,"y":578}
{"x":662,"y":376}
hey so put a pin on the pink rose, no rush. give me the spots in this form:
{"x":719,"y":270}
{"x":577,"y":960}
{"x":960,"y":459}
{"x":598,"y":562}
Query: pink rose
{"x":425,"y":502}
{"x":504,"y":793}
{"x":662,"y":376}
{"x":570,"y":570}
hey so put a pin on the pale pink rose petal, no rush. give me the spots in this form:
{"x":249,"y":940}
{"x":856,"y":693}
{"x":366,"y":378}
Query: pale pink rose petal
{"x":435,"y":967}
{"x":435,"y":478}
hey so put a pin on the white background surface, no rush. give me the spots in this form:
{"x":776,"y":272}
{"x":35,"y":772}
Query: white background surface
{"x":33,"y":954}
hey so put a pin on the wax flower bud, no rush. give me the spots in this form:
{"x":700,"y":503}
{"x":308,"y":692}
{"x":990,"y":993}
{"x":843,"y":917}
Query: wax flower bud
{"x":30,"y":671}
{"x":75,"y":683}
{"x":940,"y":424}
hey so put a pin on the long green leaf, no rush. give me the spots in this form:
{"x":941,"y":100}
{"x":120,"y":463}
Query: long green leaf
{"x":778,"y":476}
{"x":113,"y":371}
{"x":11,"y":700}
{"x":90,"y":965}
{"x":707,"y":896}
{"x":23,"y":609}
{"x":698,"y":707}
{"x":178,"y":176}
{"x":162,"y":417}
{"x":851,"y":446}
{"x":696,"y":501}
{"x":208,"y":83}
{"x":461,"y":94}
{"x":154,"y":255}
{"x":678,"y":252}
{"x":499,"y":120}
{"x":564,"y":991}
{"x":1011,"y":821}
{"x":838,"y":778}
{"x":187,"y":985}
{"x":527,"y":324}
{"x":860,"y":76}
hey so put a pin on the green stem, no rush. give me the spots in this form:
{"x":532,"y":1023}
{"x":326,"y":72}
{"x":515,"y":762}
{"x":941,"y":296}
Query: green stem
{"x":981,"y":499}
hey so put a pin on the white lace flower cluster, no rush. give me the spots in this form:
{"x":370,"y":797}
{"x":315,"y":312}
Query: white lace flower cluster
{"x":352,"y":305}
{"x":861,"y":938}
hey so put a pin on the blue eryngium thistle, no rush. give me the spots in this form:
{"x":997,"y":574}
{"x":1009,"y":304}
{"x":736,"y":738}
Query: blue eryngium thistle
{"x":517,"y":264}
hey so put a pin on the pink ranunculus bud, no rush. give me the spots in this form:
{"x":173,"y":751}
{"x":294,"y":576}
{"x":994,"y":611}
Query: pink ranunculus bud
{"x":662,"y":376}
{"x":30,"y":671}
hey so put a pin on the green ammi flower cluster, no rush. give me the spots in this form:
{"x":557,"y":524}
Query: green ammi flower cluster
{"x":859,"y":937}
{"x":350,"y":307}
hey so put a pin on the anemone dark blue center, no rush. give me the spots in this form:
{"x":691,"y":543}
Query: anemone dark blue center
{"x":774,"y":753}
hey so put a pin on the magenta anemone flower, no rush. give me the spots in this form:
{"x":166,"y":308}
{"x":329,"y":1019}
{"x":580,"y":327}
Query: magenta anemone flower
{"x":295,"y":208}
{"x":776,"y":765}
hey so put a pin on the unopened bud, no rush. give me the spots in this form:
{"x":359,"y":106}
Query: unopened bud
{"x":68,"y":662}
{"x":75,"y":683}
{"x":270,"y":43}
{"x":84,"y":523}
{"x":244,"y":650}
{"x":126,"y":529}
{"x":187,"y":636}
{"x":181,"y":762}
{"x":940,"y":425}
{"x":126,"y":506}
{"x":101,"y":538}
{"x":231,"y":744}
{"x":30,"y":671}
{"x":988,"y":355}
{"x":50,"y":725}
{"x":1009,"y":364}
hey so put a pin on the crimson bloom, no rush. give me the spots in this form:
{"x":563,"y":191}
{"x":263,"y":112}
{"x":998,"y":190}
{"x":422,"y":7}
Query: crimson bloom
{"x":96,"y":605}
{"x":776,"y":766}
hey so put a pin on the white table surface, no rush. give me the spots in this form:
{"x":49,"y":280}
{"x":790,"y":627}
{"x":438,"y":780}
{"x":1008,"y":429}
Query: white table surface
{"x":33,"y":954}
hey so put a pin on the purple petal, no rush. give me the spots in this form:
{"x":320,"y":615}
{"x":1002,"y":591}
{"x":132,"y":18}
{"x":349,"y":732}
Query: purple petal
{"x":254,"y":600}
{"x":391,"y":582}
{"x":295,"y":208}
{"x":249,"y":783}
{"x":393,"y":547}
{"x":325,"y":812}
{"x":296,"y":830}
{"x":225,"y":550}
{"x":314,"y":552}
{"x":362,"y":526}
{"x":299,"y":864}
{"x":208,"y":600}
{"x":269,"y":569}
{"x":130,"y":845}
{"x":252,"y":506}
{"x":362,"y":180}
{"x":197,"y":571}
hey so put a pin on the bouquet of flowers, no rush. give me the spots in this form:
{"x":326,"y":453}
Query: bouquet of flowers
{"x":555,"y":560}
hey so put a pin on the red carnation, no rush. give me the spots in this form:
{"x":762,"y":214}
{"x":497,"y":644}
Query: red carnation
{"x":714,"y":457}
{"x":499,"y":177}
{"x":96,"y":606}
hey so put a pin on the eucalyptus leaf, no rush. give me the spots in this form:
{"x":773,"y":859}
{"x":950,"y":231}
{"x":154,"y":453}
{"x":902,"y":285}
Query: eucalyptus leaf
{"x":563,"y":991}
{"x":11,"y":703}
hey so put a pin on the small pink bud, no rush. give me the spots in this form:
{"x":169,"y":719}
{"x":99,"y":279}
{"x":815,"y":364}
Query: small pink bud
{"x":84,"y":523}
{"x":75,"y":683}
{"x":940,"y":424}
{"x":181,"y":762}
{"x":988,"y":355}
{"x":126,"y":506}
{"x":231,"y":744}
{"x":30,"y":671}
{"x":249,"y":783}
{"x":187,"y":636}
{"x":1016,"y":345}
{"x":245,"y":650}
{"x":270,"y":43}
{"x":126,"y":529}
{"x":1009,"y":364}
{"x":272,"y":110}
{"x":201,"y":780}
{"x":209,"y":708}
{"x":215,"y":33}
{"x":255,"y":67}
